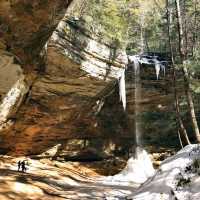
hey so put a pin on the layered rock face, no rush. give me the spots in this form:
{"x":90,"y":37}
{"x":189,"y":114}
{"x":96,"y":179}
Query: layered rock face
{"x":117,"y":127}
{"x":26,"y":26}
{"x":24,"y":29}
{"x":62,"y":88}
{"x":66,"y":92}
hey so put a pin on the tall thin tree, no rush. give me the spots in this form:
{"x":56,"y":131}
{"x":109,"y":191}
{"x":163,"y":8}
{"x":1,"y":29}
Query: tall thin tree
{"x":184,"y":140}
{"x":183,"y":58}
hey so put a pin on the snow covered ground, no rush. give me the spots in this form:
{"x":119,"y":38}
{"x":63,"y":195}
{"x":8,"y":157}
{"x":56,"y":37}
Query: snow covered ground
{"x":53,"y":180}
{"x":136,"y":172}
{"x":178,"y":178}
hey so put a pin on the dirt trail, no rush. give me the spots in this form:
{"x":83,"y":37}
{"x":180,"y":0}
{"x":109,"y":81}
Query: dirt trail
{"x":48,"y":180}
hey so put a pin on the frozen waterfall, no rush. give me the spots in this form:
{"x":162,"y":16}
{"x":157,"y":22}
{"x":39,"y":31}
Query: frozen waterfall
{"x":139,"y":167}
{"x":159,"y":67}
{"x":134,"y":61}
{"x":150,"y":60}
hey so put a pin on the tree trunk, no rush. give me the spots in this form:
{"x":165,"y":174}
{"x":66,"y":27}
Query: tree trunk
{"x":141,"y":40}
{"x":185,"y":73}
{"x":184,"y":140}
{"x":146,"y":42}
{"x":194,"y":29}
{"x":185,"y":30}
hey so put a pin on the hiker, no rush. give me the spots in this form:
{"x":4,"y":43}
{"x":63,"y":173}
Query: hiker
{"x":23,"y":164}
{"x":19,"y":165}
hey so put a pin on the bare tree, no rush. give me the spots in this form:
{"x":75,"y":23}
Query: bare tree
{"x":194,"y":38}
{"x":183,"y":136}
{"x":183,"y":57}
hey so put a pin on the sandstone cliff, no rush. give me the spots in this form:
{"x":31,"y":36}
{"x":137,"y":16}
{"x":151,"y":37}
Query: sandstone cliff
{"x":64,"y":85}
{"x":61,"y":87}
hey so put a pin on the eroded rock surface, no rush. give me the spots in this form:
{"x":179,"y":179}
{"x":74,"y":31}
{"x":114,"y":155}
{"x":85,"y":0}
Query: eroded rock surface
{"x":26,"y":25}
{"x":72,"y":80}
{"x":67,"y":92}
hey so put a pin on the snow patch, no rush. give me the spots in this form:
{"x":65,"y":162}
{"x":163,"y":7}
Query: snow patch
{"x":176,"y":178}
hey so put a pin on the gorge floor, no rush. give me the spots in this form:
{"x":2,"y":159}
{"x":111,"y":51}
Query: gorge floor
{"x":47,"y":179}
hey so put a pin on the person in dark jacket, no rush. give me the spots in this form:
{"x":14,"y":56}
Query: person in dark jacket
{"x":19,"y":165}
{"x":23,"y":165}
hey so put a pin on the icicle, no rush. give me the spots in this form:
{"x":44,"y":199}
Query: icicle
{"x":135,"y":61}
{"x":136,"y":64}
{"x":163,"y":69}
{"x":157,"y":68}
{"x":122,"y":89}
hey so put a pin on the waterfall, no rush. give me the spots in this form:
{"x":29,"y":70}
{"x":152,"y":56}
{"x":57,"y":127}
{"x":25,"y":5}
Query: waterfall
{"x":137,"y":97}
{"x":139,"y":167}
{"x":137,"y":101}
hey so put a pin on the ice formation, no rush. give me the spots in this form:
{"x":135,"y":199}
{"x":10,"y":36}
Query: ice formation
{"x":159,"y":67}
{"x":122,"y":89}
{"x":135,"y":60}
{"x":137,"y":170}
{"x":163,"y":68}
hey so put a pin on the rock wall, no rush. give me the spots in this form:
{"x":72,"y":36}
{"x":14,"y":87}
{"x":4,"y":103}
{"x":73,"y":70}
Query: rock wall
{"x":96,"y":58}
{"x":68,"y":82}
{"x":25,"y":26}
{"x":24,"y":29}
{"x":67,"y":92}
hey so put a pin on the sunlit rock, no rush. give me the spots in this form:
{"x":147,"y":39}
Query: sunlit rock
{"x":12,"y":88}
{"x":69,"y":91}
{"x":13,"y":100}
{"x":96,"y":58}
{"x":9,"y":73}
